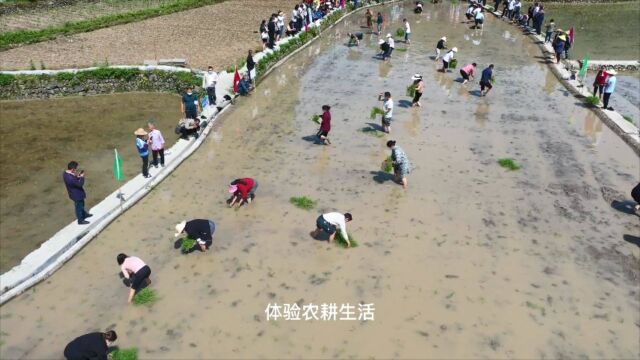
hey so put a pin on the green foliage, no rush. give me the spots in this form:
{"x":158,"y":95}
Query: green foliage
{"x":316,"y":118}
{"x":187,"y":244}
{"x":124,"y":354}
{"x":145,"y":296}
{"x":13,"y":38}
{"x":411,"y":90}
{"x":628,"y":118}
{"x":493,"y":80}
{"x":6,"y":79}
{"x":400,"y":32}
{"x":303,"y":202}
{"x":509,"y":164}
{"x":375,"y":111}
{"x":342,"y":242}
{"x":592,"y":100}
{"x":387,"y":165}
{"x":453,"y":64}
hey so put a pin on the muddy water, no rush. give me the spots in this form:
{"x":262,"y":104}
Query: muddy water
{"x":40,"y":137}
{"x":470,"y":262}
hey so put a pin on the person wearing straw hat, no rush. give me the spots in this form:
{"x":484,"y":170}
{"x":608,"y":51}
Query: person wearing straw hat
{"x":201,"y":230}
{"x":440,"y":46}
{"x":447,"y":58}
{"x":384,"y":47}
{"x":609,"y":88}
{"x":418,"y":84}
{"x":392,"y":45}
{"x":143,"y":150}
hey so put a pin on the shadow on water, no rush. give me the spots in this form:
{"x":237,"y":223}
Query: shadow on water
{"x":626,"y":206}
{"x":404,"y":103}
{"x":381,"y":177}
{"x":632,"y":239}
{"x":373,"y":127}
{"x":475,"y":93}
{"x":312,"y":139}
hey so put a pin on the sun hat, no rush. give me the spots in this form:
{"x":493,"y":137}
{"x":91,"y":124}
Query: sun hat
{"x":180,"y":227}
{"x":233,"y":188}
{"x":388,"y":35}
{"x":455,"y":49}
{"x":444,"y":38}
{"x":380,"y":42}
{"x":611,"y":72}
{"x":140,"y":132}
{"x":416,"y":77}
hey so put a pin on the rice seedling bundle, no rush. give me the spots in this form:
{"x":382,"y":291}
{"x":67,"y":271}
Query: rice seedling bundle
{"x":303,"y":202}
{"x":509,"y":164}
{"x":342,"y":242}
{"x":145,"y":296}
{"x":375,"y":112}
{"x":124,"y":354}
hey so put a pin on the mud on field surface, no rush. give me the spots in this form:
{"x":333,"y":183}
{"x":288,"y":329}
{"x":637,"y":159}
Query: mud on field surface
{"x":472,"y":261}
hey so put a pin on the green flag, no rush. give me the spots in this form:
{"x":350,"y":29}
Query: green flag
{"x":117,"y":167}
{"x":583,"y":69}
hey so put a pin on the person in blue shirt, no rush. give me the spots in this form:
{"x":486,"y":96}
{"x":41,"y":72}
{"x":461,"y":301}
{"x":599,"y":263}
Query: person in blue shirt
{"x":609,"y":88}
{"x":74,"y":181}
{"x":485,"y":80}
{"x":143,"y":150}
{"x":190,"y":104}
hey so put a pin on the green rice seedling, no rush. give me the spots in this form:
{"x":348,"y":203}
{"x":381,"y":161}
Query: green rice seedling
{"x":145,"y":296}
{"x":375,"y":112}
{"x":124,"y":354}
{"x":187,"y":244}
{"x":303,"y":202}
{"x":342,"y":242}
{"x":628,"y":118}
{"x":316,"y":118}
{"x":400,"y":49}
{"x":400,"y":32}
{"x":372,"y":132}
{"x":453,"y":64}
{"x":592,"y":100}
{"x":509,"y":164}
{"x":387,"y":165}
{"x":493,"y":80}
{"x":411,"y":90}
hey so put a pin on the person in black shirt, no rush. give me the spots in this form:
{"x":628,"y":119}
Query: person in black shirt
{"x":250,"y":65}
{"x":271,"y":28}
{"x":93,"y":346}
{"x":200,"y":230}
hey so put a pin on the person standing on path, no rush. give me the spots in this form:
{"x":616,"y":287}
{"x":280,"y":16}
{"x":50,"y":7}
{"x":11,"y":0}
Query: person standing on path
{"x":440,"y":46}
{"x":251,"y":64}
{"x":467,"y":72}
{"x":379,"y":22}
{"x":156,"y":140}
{"x":550,"y":29}
{"x":200,"y":230}
{"x":447,"y":58}
{"x":485,"y":80}
{"x":136,"y":271}
{"x":90,"y":346}
{"x":369,"y":15}
{"x":209,"y":82}
{"x":143,"y":150}
{"x":272,"y":29}
{"x":387,"y":109}
{"x":609,"y":88}
{"x":558,"y":46}
{"x":407,"y":32}
{"x":325,"y":125}
{"x":538,"y":19}
{"x":329,"y":223}
{"x":418,"y":84}
{"x":400,"y":161}
{"x":600,"y":81}
{"x":190,"y":107}
{"x":74,"y":182}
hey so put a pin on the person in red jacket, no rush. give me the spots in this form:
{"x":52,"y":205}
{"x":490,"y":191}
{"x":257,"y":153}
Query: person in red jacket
{"x":600,"y":81}
{"x":243,"y":191}
{"x":325,"y":125}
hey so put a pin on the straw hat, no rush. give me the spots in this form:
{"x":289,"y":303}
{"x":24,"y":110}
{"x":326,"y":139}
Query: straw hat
{"x":380,"y":42}
{"x":611,"y":72}
{"x":388,"y":35}
{"x":416,"y":77}
{"x":180,"y":227}
{"x":233,"y":189}
{"x":444,"y":38}
{"x":140,"y":132}
{"x":455,"y":49}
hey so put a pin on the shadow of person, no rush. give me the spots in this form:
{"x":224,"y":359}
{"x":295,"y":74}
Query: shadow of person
{"x":322,"y":236}
{"x":381,"y":177}
{"x":312,"y":139}
{"x":475,"y":93}
{"x":404,"y":103}
{"x":627,"y":207}
{"x":632,"y":239}
{"x":374,"y":127}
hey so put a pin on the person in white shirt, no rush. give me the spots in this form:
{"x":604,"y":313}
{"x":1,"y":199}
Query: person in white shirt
{"x":446,"y":59}
{"x":209,"y":82}
{"x":280,"y":24}
{"x":387,"y":108}
{"x":329,"y":223}
{"x":407,"y":32}
{"x":392,"y":46}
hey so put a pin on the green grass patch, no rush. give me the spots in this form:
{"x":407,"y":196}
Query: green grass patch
{"x":186,"y":245}
{"x":124,"y":354}
{"x":387,"y":165}
{"x":303,"y":202}
{"x":411,"y":90}
{"x":453,"y":64}
{"x":316,"y":119}
{"x":372,"y":132}
{"x":400,"y":32}
{"x":13,"y":38}
{"x":375,"y":112}
{"x":509,"y":164}
{"x":592,"y":100}
{"x":340,"y":241}
{"x":628,"y":118}
{"x":145,"y":296}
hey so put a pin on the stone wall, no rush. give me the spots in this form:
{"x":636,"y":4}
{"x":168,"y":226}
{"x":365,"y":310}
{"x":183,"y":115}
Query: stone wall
{"x":99,"y":81}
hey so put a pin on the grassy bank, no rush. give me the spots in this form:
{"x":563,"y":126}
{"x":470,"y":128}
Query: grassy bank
{"x":15,"y":38}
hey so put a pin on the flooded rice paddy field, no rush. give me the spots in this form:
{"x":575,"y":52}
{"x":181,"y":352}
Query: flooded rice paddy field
{"x":471,"y":261}
{"x":39,"y":138}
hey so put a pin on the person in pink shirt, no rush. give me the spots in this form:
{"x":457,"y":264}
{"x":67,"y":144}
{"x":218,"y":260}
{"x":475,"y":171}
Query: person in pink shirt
{"x":156,"y":141}
{"x":136,"y":271}
{"x":468,"y":71}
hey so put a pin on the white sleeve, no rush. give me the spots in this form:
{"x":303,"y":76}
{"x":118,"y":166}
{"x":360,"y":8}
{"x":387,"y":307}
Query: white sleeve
{"x":343,"y":228}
